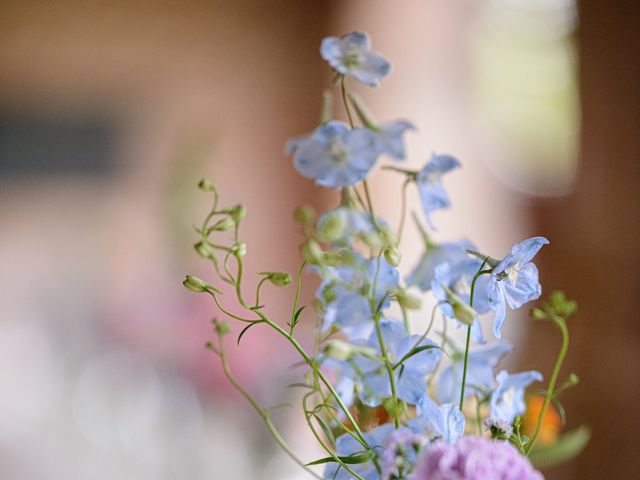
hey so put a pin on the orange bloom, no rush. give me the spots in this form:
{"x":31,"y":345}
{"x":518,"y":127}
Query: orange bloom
{"x":551,"y":422}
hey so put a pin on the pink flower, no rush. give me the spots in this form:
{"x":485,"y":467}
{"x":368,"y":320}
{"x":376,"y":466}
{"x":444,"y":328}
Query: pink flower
{"x":474,"y":458}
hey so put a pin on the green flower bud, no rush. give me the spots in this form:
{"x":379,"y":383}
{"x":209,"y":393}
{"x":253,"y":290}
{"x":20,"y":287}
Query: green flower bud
{"x":392,"y":255}
{"x":408,"y":301}
{"x":304,"y":215}
{"x":222,"y":225}
{"x":196,"y":284}
{"x":279,"y":279}
{"x":204,"y":249}
{"x":312,"y":252}
{"x":239,"y":249}
{"x":237,"y":213}
{"x":338,"y":350}
{"x":341,"y":350}
{"x":207,"y":185}
{"x":332,"y":228}
{"x":388,"y":236}
{"x":221,"y":327}
{"x":461,"y":310}
{"x":394,"y":407}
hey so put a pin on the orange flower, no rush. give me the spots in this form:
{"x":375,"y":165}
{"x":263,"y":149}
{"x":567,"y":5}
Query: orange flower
{"x":551,"y":422}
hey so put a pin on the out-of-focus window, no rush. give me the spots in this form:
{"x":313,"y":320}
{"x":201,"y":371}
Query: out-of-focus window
{"x":524,"y":67}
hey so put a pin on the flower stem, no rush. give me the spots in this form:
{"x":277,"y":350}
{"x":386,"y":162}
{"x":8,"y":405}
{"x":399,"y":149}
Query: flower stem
{"x":383,"y":348}
{"x":343,"y":90}
{"x":562,"y":325}
{"x":263,"y":413}
{"x":466,"y":348}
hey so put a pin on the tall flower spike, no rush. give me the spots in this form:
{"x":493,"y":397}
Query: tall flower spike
{"x":514,"y":281}
{"x":335,"y":155}
{"x":350,"y":55}
{"x":429,"y":181}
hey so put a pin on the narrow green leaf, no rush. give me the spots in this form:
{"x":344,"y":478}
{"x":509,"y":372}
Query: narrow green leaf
{"x":325,"y":428}
{"x":356,"y":458}
{"x":415,"y":351}
{"x":566,"y":448}
{"x":296,"y":316}
{"x":245,"y":329}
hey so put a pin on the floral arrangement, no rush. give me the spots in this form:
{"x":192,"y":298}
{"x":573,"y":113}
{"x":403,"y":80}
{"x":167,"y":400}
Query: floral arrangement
{"x":382,"y":401}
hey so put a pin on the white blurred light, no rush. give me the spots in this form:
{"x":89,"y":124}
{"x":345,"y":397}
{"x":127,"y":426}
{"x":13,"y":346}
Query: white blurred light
{"x":116,"y":401}
{"x":31,"y":382}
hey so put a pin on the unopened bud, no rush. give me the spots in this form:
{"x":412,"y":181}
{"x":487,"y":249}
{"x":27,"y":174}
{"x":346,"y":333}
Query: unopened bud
{"x":279,"y":279}
{"x":221,"y":327}
{"x":408,"y":301}
{"x":304,"y":215}
{"x":341,"y":350}
{"x":338,"y":350}
{"x":463,"y":312}
{"x":239,"y":249}
{"x":388,"y":236}
{"x":237,"y":212}
{"x":311,"y":252}
{"x":222,"y":225}
{"x":331,"y":227}
{"x":204,"y":249}
{"x":392,"y":255}
{"x":196,"y":284}
{"x":207,"y":185}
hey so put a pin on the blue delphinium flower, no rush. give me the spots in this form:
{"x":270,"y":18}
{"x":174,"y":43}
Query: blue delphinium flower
{"x":410,"y":377}
{"x":480,"y":373}
{"x":514,"y":281}
{"x":429,"y":182}
{"x":434,"y":255}
{"x":507,"y":400}
{"x":390,"y":135}
{"x":346,"y":445}
{"x":457,"y":279}
{"x":335,"y":155}
{"x":346,"y":290}
{"x":444,"y":422}
{"x":350,"y":55}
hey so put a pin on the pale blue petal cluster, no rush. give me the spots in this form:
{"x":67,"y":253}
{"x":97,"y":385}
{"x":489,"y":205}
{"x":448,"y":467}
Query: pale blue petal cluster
{"x":335,"y":155}
{"x":351,"y":55}
{"x":440,"y":422}
{"x":410,"y":377}
{"x":514,"y":281}
{"x":391,"y":138}
{"x":429,"y":181}
{"x":346,"y":445}
{"x":423,"y":273}
{"x":480,"y":374}
{"x":507,"y":400}
{"x":345,"y":293}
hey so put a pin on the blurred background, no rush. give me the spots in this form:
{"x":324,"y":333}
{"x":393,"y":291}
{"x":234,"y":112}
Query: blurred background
{"x":110,"y":113}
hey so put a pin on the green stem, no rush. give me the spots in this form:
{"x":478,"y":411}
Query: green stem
{"x":403,"y":209}
{"x":294,"y":308}
{"x":562,"y":325}
{"x":466,"y":348}
{"x":316,"y":371}
{"x":383,"y":348}
{"x":319,"y":439}
{"x":264,"y":415}
{"x":343,"y":90}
